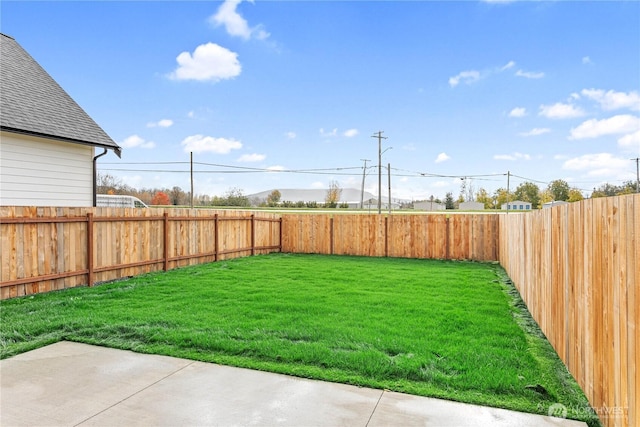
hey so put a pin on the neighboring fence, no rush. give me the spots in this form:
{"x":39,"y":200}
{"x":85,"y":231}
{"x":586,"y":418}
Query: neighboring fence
{"x":45,"y":249}
{"x":456,"y":236}
{"x":577,"y":269}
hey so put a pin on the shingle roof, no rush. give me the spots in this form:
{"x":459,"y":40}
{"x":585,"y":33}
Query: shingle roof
{"x":31,"y":102}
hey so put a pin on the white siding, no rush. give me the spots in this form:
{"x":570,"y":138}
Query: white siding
{"x":43,"y":172}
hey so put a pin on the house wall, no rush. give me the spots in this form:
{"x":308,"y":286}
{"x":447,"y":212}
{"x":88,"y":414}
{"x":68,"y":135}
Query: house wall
{"x":471,"y":206}
{"x":42,"y":172}
{"x":429,"y":206}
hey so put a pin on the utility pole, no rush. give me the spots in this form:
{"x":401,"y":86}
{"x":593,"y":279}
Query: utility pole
{"x":508,"y":178}
{"x":191,"y":180}
{"x":389,"y":181}
{"x":364,"y":173}
{"x":380,"y":138}
{"x":637,"y":159}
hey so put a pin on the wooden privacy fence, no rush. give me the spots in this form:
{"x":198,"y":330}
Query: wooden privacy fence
{"x":576,"y":267}
{"x":457,"y":236}
{"x":46,"y":249}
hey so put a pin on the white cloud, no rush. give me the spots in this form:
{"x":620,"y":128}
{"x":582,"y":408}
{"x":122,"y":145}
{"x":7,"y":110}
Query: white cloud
{"x":234,"y":23}
{"x":621,"y":124}
{"x":630,"y":141}
{"x":134,"y":141}
{"x":291,"y":135}
{"x":203,"y":144}
{"x":518,"y":112}
{"x":327,"y":134}
{"x":472,"y":76}
{"x":275,"y":168}
{"x":514,"y":156}
{"x":529,"y":74}
{"x":252,"y":157}
{"x":209,"y":62}
{"x":351,"y":133}
{"x":467,"y":77}
{"x":535,"y":132}
{"x":509,"y":65}
{"x":586,"y":60}
{"x":191,"y":114}
{"x":164,"y":123}
{"x":612,"y":100}
{"x":560,"y":157}
{"x":560,"y":111}
{"x":442,"y":157}
{"x":600,"y":164}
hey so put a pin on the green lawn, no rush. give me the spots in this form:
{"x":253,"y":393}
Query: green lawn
{"x":454,"y":330}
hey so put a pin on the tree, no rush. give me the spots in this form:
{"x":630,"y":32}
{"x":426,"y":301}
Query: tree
{"x":236,"y":197}
{"x":483,"y":197}
{"x":575,"y":195}
{"x":448,"y":201}
{"x":606,"y":189}
{"x":177,"y":196}
{"x":501,"y":196}
{"x":559,"y":190}
{"x":528,"y":192}
{"x":106,"y":184}
{"x":273,"y":198}
{"x":161,"y":198}
{"x":467,"y":193}
{"x":333,"y":195}
{"x":546,"y":197}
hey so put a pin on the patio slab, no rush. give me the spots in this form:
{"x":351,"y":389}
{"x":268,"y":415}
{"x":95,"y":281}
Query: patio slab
{"x":72,"y":384}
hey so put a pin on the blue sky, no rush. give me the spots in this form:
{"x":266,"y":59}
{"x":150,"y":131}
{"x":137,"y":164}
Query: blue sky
{"x":284,"y":94}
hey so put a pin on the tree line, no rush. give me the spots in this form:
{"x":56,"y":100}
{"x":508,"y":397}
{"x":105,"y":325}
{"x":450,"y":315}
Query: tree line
{"x":557,"y":190}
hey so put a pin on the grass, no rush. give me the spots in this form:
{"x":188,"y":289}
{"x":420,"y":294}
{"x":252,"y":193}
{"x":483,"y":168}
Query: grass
{"x":453,"y":330}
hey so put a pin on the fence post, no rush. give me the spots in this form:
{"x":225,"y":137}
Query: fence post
{"x":280,"y":235}
{"x":253,"y":234}
{"x":90,"y":248}
{"x":386,"y":236}
{"x":446,"y":239}
{"x":215,"y":238}
{"x":166,"y":241}
{"x":331,"y":236}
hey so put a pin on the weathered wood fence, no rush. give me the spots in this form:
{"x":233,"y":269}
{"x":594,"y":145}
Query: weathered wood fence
{"x":458,"y":236}
{"x":45,"y":249}
{"x":577,"y":268}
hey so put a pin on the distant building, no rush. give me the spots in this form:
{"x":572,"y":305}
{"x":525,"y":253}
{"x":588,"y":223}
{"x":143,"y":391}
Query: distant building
{"x":554,"y":203}
{"x":517,"y":205}
{"x":428,"y":205}
{"x":471,"y":206}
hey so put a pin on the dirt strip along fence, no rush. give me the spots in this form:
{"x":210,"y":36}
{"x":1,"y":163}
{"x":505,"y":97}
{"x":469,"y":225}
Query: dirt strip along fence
{"x":45,"y":249}
{"x":437,"y":236}
{"x":576,"y":267}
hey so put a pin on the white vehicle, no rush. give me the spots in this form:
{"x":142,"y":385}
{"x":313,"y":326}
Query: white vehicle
{"x":118,"y":201}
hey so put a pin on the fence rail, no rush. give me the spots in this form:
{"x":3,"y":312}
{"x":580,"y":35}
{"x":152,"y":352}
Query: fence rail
{"x":45,"y":249}
{"x":577,"y":269}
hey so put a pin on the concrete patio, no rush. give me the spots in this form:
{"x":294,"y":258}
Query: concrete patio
{"x":71,"y":384}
